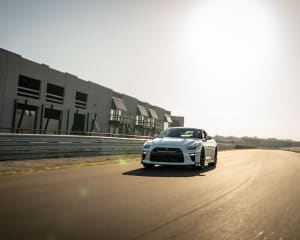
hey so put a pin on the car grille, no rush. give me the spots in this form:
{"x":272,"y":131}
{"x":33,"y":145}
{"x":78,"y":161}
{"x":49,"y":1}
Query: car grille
{"x":166,"y":155}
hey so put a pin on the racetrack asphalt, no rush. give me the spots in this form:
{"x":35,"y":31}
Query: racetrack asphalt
{"x":251,"y":194}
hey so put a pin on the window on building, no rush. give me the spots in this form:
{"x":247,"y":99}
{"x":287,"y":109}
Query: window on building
{"x":140,"y":120}
{"x":52,"y":120}
{"x":25,"y":118}
{"x":55,"y":94}
{"x":115,"y":115}
{"x":52,"y":114}
{"x":151,"y":122}
{"x":81,"y":100}
{"x":28,"y":87}
{"x":78,"y":123}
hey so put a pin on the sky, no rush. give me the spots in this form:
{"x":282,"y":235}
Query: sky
{"x":231,"y":67}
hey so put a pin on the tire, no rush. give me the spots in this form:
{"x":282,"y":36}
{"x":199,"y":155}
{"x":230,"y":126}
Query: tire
{"x":202,"y":160}
{"x":214,"y":163}
{"x":147,"y":165}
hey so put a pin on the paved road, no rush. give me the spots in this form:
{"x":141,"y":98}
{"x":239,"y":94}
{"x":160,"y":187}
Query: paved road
{"x":252,"y":194}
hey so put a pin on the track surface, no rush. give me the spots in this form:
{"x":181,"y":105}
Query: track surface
{"x":252,"y":194}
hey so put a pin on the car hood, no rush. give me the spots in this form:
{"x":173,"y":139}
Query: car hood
{"x":173,"y":141}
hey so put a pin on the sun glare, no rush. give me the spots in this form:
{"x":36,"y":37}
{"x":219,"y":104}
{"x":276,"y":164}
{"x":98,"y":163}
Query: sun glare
{"x":230,"y":47}
{"x":227,"y":40}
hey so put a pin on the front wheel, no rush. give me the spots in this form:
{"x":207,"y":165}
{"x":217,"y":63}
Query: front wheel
{"x":202,"y":160}
{"x":214,"y":163}
{"x":147,"y":165}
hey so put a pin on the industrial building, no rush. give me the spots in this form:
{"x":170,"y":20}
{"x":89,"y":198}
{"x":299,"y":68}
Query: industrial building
{"x":35,"y":98}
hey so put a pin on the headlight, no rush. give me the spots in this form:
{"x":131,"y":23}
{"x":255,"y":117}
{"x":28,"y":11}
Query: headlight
{"x":192,"y":146}
{"x":147,"y":146}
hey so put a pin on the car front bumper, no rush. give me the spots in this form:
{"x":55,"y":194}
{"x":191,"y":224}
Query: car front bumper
{"x":189,"y":157}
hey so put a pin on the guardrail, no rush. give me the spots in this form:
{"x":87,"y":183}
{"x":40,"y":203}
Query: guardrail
{"x":31,"y":146}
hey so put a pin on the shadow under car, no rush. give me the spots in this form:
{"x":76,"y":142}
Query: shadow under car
{"x":169,"y":171}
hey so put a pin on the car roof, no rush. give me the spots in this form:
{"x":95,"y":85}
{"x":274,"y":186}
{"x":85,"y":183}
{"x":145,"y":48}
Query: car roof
{"x":187,"y":128}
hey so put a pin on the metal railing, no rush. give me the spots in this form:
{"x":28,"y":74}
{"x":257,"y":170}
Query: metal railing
{"x":32,"y":146}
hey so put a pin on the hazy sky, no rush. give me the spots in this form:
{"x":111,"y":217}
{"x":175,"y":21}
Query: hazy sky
{"x":229,"y":66}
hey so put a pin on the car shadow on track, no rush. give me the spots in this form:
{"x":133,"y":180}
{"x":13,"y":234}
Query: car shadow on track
{"x":169,"y":171}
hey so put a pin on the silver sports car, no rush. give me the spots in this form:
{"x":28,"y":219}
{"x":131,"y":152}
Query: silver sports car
{"x":180,"y":146}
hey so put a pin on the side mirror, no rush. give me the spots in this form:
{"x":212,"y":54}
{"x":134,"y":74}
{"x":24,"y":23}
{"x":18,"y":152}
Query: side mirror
{"x":155,"y":135}
{"x":208,"y":138}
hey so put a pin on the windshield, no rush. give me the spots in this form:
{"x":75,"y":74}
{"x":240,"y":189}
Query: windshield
{"x":181,"y":133}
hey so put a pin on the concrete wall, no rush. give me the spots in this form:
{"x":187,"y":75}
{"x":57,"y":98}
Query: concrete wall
{"x":3,"y":70}
{"x":99,"y":98}
{"x":10,"y":65}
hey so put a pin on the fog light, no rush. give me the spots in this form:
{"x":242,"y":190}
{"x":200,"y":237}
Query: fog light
{"x":143,"y":155}
{"x":192,"y":155}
